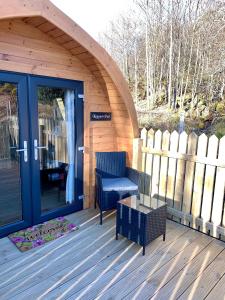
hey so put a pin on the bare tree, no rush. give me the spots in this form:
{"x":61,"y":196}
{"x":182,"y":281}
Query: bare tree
{"x":172,"y":52}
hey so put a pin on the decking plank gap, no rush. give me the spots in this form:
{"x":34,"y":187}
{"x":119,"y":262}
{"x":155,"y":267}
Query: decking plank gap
{"x":91,"y":264}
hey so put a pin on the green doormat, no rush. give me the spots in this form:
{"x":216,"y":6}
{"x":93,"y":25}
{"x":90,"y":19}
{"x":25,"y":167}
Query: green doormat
{"x":37,"y":235}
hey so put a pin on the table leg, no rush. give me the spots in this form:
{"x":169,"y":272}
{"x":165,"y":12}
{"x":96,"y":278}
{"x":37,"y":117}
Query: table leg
{"x":143,"y":252}
{"x":164,"y":237}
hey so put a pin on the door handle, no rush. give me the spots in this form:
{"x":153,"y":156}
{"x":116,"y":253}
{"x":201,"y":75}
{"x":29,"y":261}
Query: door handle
{"x":24,"y":150}
{"x":36,"y":148}
{"x":41,"y":147}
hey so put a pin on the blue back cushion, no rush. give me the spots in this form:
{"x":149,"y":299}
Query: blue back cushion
{"x":111,"y":163}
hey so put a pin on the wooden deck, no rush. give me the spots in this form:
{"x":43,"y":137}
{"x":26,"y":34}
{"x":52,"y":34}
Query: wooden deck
{"x":91,"y":264}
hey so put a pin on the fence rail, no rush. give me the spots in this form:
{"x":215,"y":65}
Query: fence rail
{"x":188,"y":172}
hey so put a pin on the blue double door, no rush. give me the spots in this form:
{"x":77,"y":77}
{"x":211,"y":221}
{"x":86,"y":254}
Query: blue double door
{"x":41,"y":158}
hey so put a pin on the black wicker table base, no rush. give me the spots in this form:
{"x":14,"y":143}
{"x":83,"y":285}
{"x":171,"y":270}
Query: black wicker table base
{"x":141,"y":219}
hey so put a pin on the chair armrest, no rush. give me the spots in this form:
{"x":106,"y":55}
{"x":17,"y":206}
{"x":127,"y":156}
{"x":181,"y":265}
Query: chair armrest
{"x":141,"y":179}
{"x":144,"y":185}
{"x":98,"y":177}
{"x":133,"y":175}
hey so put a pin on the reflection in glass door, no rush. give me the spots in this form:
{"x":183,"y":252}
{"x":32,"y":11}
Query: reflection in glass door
{"x":10,"y":181}
{"x":57,"y":134}
{"x":15,"y":202}
{"x":56,"y":147}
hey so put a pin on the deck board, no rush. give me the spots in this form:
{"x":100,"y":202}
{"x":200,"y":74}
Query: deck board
{"x":157,"y":265}
{"x":91,"y":264}
{"x":175,"y":277}
{"x":105,"y":270}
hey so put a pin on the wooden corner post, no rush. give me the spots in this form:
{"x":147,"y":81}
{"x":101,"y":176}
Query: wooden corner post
{"x":137,"y":154}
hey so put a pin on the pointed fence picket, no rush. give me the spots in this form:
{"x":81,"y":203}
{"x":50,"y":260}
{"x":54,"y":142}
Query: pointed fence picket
{"x":156,"y":164}
{"x":180,"y":173}
{"x":174,"y":138}
{"x":199,"y":179}
{"x":149,"y":158}
{"x":189,"y":175}
{"x":188,"y":172}
{"x":144,"y":138}
{"x":164,"y":166}
{"x":218,"y":199}
{"x":209,"y":183}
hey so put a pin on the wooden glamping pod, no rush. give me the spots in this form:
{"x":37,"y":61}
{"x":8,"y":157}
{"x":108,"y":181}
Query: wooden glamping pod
{"x":52,"y":72}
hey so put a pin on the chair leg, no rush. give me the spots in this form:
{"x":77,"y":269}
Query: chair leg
{"x":100,"y":217}
{"x":59,"y":194}
{"x":95,"y":197}
{"x":95,"y":202}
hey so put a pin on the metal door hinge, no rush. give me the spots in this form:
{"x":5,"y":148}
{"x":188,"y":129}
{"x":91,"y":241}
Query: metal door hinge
{"x":81,"y":149}
{"x":81,"y":96}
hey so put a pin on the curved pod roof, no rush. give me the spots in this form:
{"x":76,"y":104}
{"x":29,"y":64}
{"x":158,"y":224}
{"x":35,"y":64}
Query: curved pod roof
{"x":107,"y":67}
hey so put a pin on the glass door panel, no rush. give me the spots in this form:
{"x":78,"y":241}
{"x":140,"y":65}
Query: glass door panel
{"x":15,"y":197}
{"x":57,"y":134}
{"x":10,"y":178}
{"x":56,"y":147}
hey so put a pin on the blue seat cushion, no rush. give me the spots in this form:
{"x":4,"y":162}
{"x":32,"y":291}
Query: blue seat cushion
{"x":118,"y":184}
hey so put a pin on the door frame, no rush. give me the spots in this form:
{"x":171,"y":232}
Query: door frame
{"x":25,"y":167}
{"x":33,"y":82}
{"x":27,"y":107}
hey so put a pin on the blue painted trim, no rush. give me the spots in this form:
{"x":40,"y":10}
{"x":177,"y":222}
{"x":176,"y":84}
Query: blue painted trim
{"x":79,"y":143}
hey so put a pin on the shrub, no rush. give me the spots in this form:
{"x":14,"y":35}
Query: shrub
{"x":220,"y":128}
{"x":220,"y":108}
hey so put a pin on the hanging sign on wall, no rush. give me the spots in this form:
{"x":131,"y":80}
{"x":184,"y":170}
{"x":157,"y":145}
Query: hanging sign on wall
{"x":101,"y":116}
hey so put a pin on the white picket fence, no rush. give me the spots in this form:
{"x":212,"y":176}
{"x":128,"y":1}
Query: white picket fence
{"x":188,"y":172}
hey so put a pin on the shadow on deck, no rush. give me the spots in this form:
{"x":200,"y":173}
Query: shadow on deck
{"x":91,"y":264}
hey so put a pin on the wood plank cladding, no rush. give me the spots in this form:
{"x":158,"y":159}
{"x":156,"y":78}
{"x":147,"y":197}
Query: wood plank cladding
{"x":36,"y":46}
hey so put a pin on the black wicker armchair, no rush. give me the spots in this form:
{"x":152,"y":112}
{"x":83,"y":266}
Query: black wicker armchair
{"x":114,"y":181}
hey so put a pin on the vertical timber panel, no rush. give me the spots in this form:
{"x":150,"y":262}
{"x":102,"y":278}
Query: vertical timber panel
{"x":174,"y":138}
{"x":156,"y":164}
{"x":218,"y":198}
{"x":189,"y":175}
{"x":199,"y":179}
{"x":144,"y":136}
{"x":149,"y":157}
{"x":179,"y":185}
{"x":164,"y":166}
{"x":209,"y":182}
{"x":137,"y":154}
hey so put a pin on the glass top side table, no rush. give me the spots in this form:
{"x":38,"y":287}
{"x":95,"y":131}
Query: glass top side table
{"x":141,"y":219}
